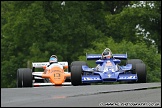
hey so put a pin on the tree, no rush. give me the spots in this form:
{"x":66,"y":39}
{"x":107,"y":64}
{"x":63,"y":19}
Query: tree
{"x":136,"y":23}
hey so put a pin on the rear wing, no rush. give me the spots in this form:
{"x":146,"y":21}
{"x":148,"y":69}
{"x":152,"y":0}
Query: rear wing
{"x":98,"y":56}
{"x":41,"y":64}
{"x":93,"y":56}
{"x":120,"y":56}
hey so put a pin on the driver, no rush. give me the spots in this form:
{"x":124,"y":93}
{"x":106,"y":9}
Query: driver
{"x":52,"y":59}
{"x":106,"y":54}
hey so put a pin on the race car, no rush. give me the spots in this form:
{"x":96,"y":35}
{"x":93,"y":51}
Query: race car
{"x":54,"y":74}
{"x":133,"y":71}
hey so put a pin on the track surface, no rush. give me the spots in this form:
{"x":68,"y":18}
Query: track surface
{"x":118,"y":95}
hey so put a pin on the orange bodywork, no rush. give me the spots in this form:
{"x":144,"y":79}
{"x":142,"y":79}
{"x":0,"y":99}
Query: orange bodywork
{"x":56,"y":75}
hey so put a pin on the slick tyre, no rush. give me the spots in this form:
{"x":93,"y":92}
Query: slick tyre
{"x":141,"y":72}
{"x":24,"y":77}
{"x":78,"y":63}
{"x":134,"y":62}
{"x":19,"y":78}
{"x":76,"y":75}
{"x":27,"y":77}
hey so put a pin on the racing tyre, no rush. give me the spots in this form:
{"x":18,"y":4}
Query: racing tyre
{"x":19,"y":78}
{"x":78,"y":63}
{"x":76,"y":75}
{"x":27,"y":77}
{"x":141,"y":72}
{"x":134,"y":62}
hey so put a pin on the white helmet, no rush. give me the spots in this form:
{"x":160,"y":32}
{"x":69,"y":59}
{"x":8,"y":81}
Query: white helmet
{"x":107,"y":53}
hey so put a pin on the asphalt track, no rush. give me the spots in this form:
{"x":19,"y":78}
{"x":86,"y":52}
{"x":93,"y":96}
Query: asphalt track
{"x":117,"y":95}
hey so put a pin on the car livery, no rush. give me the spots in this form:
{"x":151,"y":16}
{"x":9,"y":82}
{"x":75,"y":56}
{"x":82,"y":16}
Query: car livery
{"x":109,"y":70}
{"x":54,"y":74}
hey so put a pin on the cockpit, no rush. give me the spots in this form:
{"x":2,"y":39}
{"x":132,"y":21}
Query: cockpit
{"x":107,"y":66}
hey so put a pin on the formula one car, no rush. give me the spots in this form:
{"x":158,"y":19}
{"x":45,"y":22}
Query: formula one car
{"x":55,"y":74}
{"x":133,"y":71}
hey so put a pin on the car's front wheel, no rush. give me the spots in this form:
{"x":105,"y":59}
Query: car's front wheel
{"x":24,"y":77}
{"x":76,"y":75}
{"x":141,"y":72}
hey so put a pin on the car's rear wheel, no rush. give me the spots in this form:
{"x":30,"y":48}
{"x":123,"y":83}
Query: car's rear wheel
{"x":141,"y":72}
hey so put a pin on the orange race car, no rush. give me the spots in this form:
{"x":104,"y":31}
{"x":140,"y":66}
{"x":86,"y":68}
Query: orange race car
{"x":54,"y":74}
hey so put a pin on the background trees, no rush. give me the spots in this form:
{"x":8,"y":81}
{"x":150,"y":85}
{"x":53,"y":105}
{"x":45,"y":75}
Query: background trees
{"x":33,"y":30}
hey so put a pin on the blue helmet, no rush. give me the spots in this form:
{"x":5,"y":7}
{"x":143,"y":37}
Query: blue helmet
{"x":53,"y":59}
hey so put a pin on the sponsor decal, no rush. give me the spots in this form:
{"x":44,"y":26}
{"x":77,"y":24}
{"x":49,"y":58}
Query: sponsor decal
{"x":55,"y":71}
{"x":128,"y":77}
{"x":91,"y":78}
{"x":93,"y":56}
{"x":40,"y":64}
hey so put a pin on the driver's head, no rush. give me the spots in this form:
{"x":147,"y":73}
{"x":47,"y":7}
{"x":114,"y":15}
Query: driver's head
{"x":107,"y":53}
{"x":53,"y":59}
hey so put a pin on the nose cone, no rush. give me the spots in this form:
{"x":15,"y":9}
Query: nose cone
{"x":57,"y":75}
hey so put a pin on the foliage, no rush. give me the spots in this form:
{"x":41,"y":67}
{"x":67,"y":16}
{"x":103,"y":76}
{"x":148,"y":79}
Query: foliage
{"x":31,"y":31}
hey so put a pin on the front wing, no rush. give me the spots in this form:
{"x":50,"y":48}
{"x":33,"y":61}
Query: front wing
{"x":49,"y":84}
{"x":100,"y":77}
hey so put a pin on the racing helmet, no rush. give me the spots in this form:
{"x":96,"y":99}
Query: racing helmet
{"x":107,"y":53}
{"x":53,"y":59}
